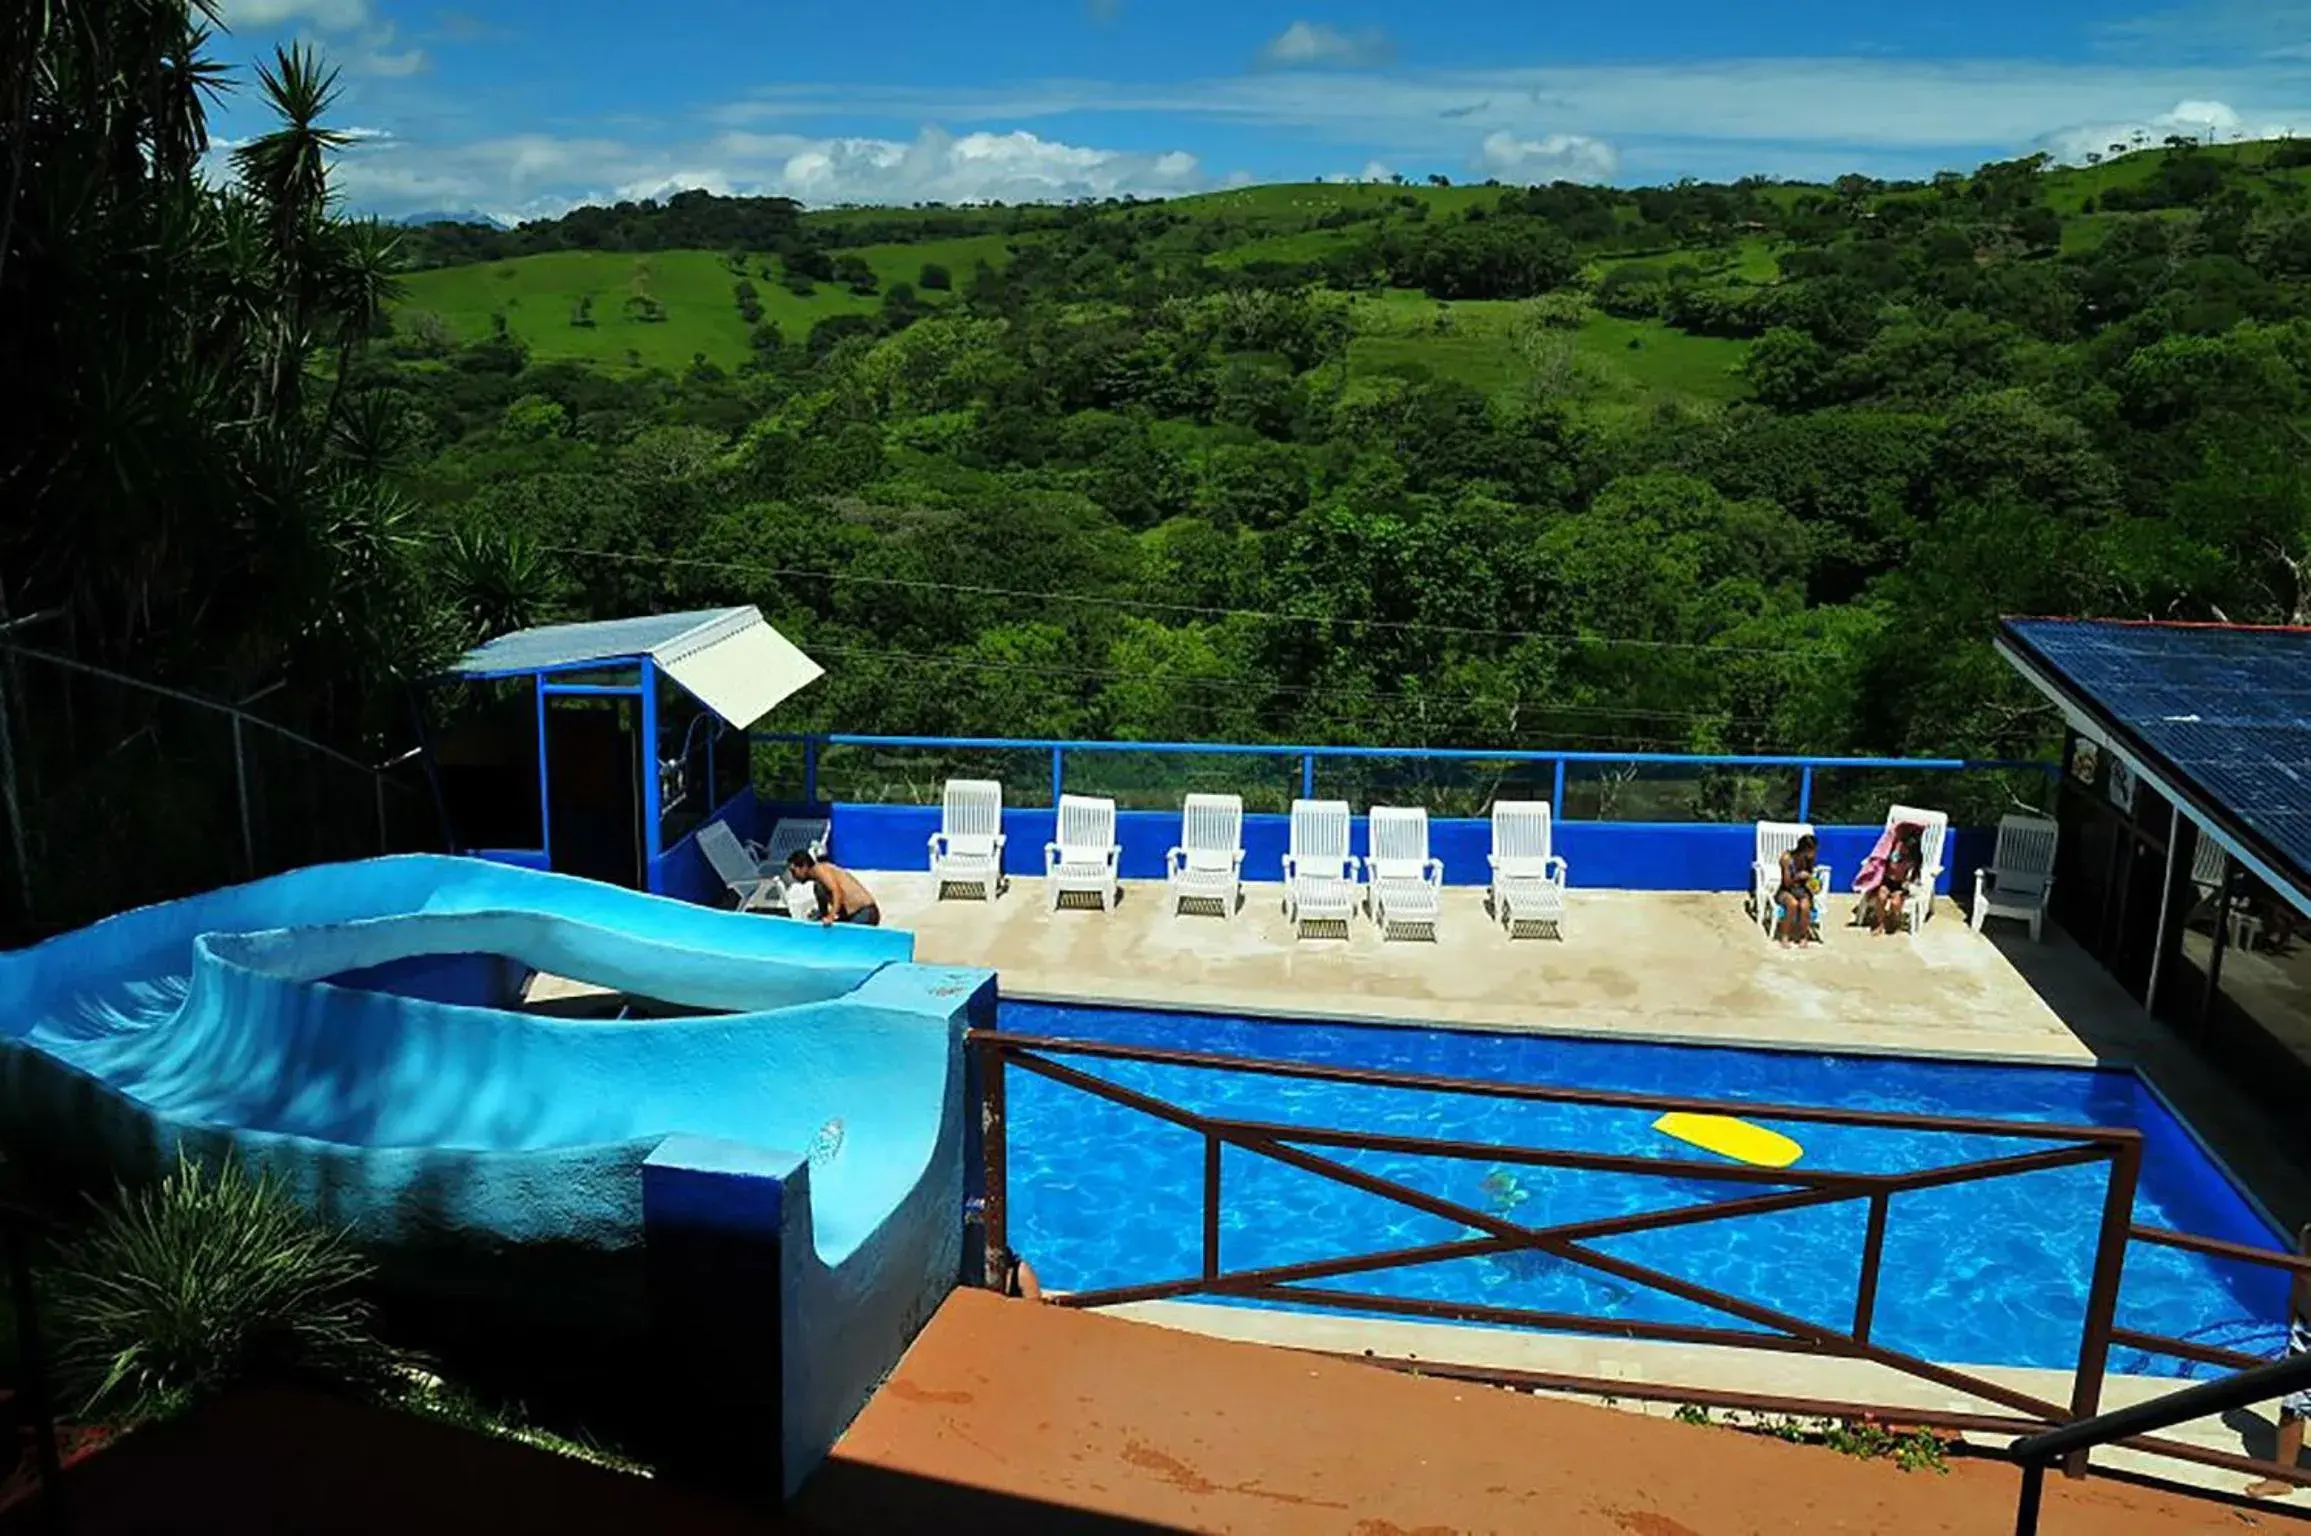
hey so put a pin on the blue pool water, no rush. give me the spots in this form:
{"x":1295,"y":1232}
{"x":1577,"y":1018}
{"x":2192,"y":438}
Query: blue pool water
{"x":1991,"y":1273}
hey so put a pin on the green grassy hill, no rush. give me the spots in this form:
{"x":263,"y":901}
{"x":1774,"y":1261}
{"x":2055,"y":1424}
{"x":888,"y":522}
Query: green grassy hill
{"x":2067,"y":191}
{"x":1621,"y":364}
{"x":539,"y":295}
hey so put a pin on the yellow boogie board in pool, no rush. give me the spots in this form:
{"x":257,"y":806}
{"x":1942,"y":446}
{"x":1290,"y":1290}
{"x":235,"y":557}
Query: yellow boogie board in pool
{"x":1728,"y":1137}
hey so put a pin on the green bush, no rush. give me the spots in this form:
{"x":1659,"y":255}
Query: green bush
{"x":204,"y":1281}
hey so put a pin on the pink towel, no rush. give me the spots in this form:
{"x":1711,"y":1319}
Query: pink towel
{"x":1873,"y":871}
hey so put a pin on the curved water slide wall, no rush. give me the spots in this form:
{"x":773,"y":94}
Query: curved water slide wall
{"x":767,"y":1186}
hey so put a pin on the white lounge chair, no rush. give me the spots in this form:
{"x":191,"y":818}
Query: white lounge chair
{"x":2020,"y":876}
{"x":968,"y":847}
{"x":1937,"y":832}
{"x":788,"y":836}
{"x":1085,"y":855}
{"x":1528,"y":884}
{"x":1319,"y":871}
{"x":2210,"y":868}
{"x":1404,"y":887}
{"x":1775,"y":838}
{"x":1208,"y":865}
{"x":737,"y":869}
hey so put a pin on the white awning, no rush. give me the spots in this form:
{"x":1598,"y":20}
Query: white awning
{"x":728,"y":658}
{"x":739,"y":667}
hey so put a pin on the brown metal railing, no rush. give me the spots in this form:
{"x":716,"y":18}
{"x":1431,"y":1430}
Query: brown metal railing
{"x":1791,"y":1189}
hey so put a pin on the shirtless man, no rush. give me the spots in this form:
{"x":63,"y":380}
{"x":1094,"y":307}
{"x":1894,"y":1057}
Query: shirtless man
{"x":841,"y":898}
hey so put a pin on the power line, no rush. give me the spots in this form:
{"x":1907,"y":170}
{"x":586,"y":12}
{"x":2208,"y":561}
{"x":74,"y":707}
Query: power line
{"x":1052,"y":669}
{"x":1212,"y":706}
{"x":1157,"y":605}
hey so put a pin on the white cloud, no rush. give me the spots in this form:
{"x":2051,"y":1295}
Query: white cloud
{"x":2210,"y":122}
{"x":1373,"y":171}
{"x":527,"y":176}
{"x":372,"y":56}
{"x":1559,"y":157}
{"x":337,"y":15}
{"x":1719,"y":117}
{"x":1318,"y":45}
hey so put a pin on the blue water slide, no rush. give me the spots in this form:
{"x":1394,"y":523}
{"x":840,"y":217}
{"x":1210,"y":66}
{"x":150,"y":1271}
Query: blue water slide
{"x":356,"y":1032}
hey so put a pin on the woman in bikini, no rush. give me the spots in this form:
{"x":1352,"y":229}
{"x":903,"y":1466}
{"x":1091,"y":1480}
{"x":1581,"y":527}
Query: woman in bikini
{"x":1795,"y":923}
{"x":1887,"y":876}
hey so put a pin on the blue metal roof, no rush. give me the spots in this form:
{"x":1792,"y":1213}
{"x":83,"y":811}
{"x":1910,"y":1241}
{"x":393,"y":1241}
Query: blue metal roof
{"x":2223,"y":714}
{"x":570,"y":645}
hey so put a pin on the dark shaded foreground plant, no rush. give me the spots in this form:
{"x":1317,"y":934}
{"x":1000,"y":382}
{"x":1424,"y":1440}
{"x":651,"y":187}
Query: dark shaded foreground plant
{"x":208,"y":1280}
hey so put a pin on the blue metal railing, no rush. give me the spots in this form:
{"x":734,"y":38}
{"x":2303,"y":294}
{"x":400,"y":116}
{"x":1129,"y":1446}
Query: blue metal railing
{"x":1309,"y":756}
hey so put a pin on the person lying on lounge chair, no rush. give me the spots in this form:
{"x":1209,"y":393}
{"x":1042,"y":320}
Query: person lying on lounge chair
{"x":841,"y":898}
{"x":1888,"y":874}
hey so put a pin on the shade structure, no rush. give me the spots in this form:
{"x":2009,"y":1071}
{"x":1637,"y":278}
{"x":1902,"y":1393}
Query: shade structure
{"x":730,"y":659}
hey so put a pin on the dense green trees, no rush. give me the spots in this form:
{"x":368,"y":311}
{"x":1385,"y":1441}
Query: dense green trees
{"x":1119,"y":487}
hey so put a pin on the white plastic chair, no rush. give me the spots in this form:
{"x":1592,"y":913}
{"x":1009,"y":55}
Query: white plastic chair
{"x":1528,"y":884}
{"x":1775,"y":838}
{"x":1936,"y":825}
{"x":1319,"y":871}
{"x":2021,"y":874}
{"x":1085,"y":854}
{"x":968,"y":847}
{"x":1404,"y":887}
{"x":2210,"y":868}
{"x":1208,"y":864}
{"x":735,"y":867}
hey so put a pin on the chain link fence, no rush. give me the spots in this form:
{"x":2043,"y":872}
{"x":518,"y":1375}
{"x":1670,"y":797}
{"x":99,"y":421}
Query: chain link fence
{"x":116,"y":793}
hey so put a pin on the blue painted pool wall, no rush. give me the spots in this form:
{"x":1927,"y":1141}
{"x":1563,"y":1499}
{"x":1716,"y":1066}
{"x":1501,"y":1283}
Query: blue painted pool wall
{"x":517,"y":858}
{"x":886,"y":1290}
{"x":2189,"y":1180}
{"x":715,"y":1218}
{"x":473,"y":981}
{"x":1627,"y":856}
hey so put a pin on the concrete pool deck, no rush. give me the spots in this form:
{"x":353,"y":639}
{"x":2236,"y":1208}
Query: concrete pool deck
{"x":1631,"y":964}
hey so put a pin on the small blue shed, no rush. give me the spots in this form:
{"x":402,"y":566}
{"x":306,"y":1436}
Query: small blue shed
{"x":598,"y":749}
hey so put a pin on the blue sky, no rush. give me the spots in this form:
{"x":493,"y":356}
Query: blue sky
{"x":526,"y":107}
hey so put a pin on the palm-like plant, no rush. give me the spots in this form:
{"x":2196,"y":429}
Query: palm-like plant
{"x":499,"y":580}
{"x":207,"y":1280}
{"x":175,"y":480}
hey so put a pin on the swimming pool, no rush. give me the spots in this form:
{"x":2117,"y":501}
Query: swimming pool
{"x":1986,"y":1273}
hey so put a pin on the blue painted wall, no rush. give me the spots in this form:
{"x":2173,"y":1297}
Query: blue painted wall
{"x":1628,"y":856}
{"x":682,"y":871}
{"x":473,"y":980}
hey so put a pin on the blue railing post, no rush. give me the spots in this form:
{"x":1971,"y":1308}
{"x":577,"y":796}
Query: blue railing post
{"x":1805,"y":793}
{"x":1058,"y":772}
{"x":1557,"y":796}
{"x":810,"y":770}
{"x":1307,"y":775}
